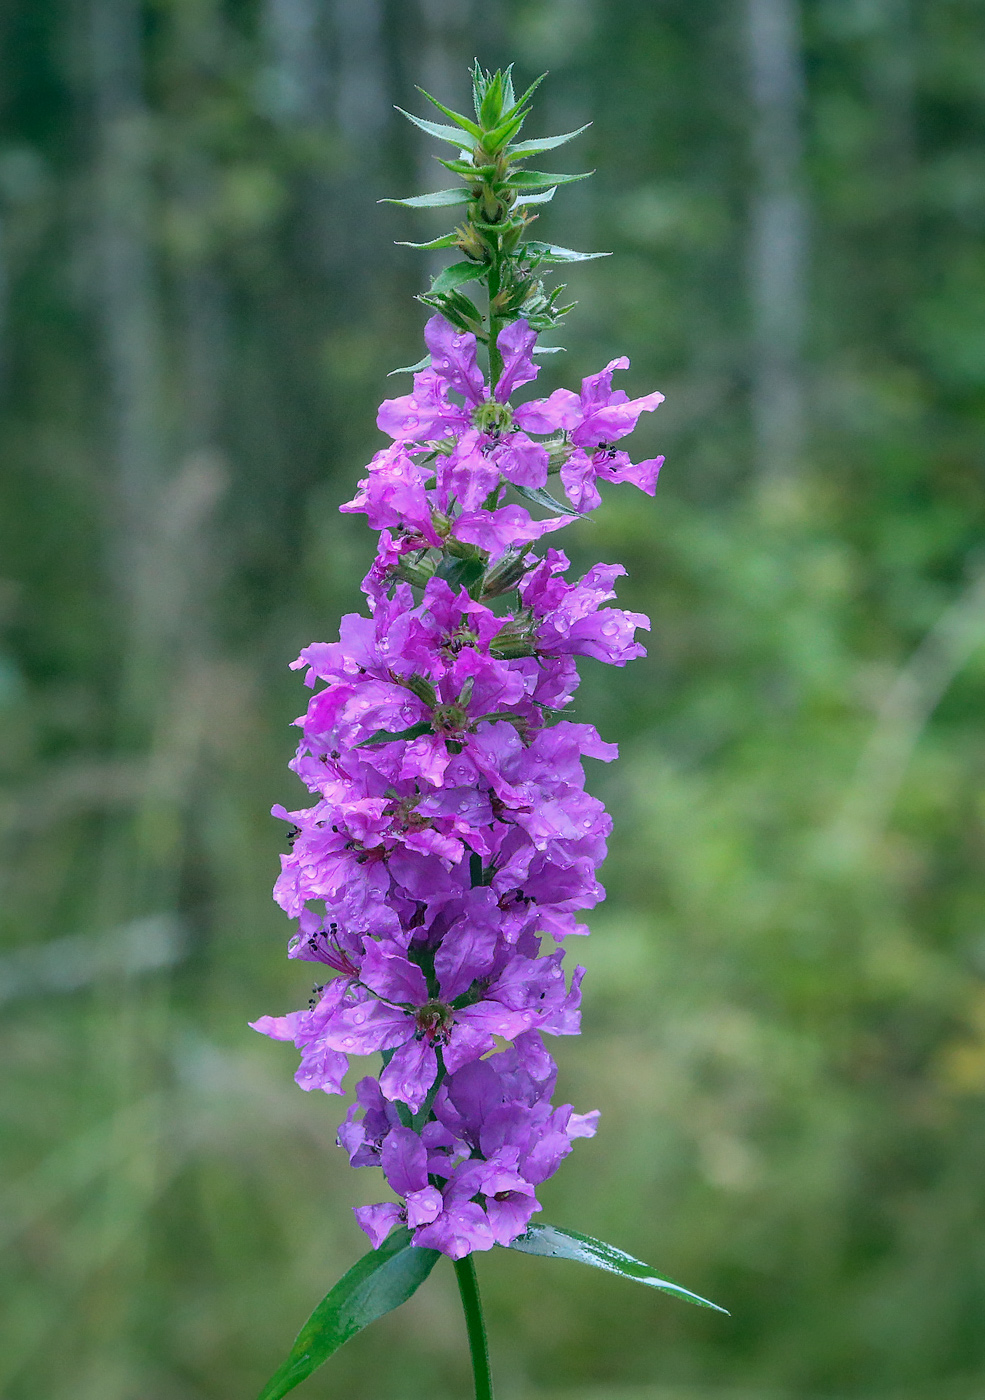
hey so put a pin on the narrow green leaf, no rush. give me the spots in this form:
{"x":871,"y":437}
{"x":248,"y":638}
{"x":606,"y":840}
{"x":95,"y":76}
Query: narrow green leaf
{"x":437,"y":200}
{"x":384,"y":736}
{"x":537,"y":179}
{"x":462,"y":573}
{"x":457,"y":275}
{"x":468,"y":171}
{"x":527,"y":95}
{"x":381,"y":1280}
{"x":537,"y":350}
{"x":502,"y":135}
{"x":473,"y":130}
{"x":447,"y":240}
{"x":544,"y":143}
{"x":413,"y":369}
{"x":444,"y":133}
{"x":544,"y":498}
{"x":553,"y":1243}
{"x":552,"y":253}
{"x":544,"y":198}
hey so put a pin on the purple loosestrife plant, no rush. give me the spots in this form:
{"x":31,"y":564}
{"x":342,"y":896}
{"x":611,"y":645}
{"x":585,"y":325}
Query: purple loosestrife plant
{"x":451,"y":844}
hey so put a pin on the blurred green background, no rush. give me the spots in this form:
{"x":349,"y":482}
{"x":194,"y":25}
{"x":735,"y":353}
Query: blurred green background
{"x":785,"y":1011}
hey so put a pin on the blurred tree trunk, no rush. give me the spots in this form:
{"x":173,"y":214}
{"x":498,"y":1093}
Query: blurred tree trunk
{"x":777,"y":233}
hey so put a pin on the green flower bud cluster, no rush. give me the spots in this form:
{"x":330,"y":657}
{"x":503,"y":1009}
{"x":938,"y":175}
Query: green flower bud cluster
{"x":498,"y":193}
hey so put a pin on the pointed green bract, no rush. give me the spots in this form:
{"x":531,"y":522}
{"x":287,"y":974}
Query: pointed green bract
{"x":474,"y":131}
{"x":540,"y":497}
{"x":544,"y":198}
{"x":552,"y":253}
{"x":447,"y":240}
{"x":544,"y":143}
{"x":457,"y":275}
{"x":381,"y":1280}
{"x":553,"y":1243}
{"x":436,"y":200}
{"x":411,"y":369}
{"x":452,"y":134}
{"x":538,"y":179}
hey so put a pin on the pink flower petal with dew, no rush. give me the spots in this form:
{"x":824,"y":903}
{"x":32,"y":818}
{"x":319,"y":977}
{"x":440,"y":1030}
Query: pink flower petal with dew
{"x":410,"y":1073}
{"x":391,"y":975}
{"x":377,"y":1220}
{"x":321,"y":1068}
{"x":367,"y":1027}
{"x":516,"y":342}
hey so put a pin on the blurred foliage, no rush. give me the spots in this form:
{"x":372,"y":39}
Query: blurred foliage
{"x":785,"y":1013}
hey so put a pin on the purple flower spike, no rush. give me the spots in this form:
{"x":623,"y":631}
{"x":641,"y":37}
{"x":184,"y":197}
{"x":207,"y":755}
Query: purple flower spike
{"x":450,"y":842}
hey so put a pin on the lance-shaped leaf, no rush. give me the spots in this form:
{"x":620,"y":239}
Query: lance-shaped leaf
{"x":543,"y":143}
{"x":457,"y":275}
{"x":474,"y":131}
{"x":540,"y":497}
{"x":494,"y":141}
{"x":381,"y":1280}
{"x":462,"y":573}
{"x":537,"y":179}
{"x":447,"y":240}
{"x":412,"y":369}
{"x":544,"y":198}
{"x":553,"y":253}
{"x":444,"y":133}
{"x":437,"y":200}
{"x":526,"y":96}
{"x":553,"y":1243}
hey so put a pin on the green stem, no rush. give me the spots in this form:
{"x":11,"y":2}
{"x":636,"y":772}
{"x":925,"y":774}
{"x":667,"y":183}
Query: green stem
{"x":468,"y":1287}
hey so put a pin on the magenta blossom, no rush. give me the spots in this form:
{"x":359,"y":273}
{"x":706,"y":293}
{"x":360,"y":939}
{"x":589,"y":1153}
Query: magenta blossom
{"x":450,"y":831}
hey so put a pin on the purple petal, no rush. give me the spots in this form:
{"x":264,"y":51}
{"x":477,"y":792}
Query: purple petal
{"x":458,"y":1231}
{"x":423,"y":1206}
{"x":377,"y":1220}
{"x":410,"y":1073}
{"x":391,"y":975}
{"x":404,"y":1160}
{"x":516,"y":341}
{"x":322,"y":1068}
{"x":453,"y":357}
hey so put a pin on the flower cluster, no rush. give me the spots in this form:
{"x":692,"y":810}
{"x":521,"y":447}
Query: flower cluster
{"x":452,"y":844}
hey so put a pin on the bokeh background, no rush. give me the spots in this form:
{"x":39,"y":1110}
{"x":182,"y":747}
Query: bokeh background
{"x":785,"y":1012}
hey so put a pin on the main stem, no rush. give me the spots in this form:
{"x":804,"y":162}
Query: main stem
{"x":468,"y":1287}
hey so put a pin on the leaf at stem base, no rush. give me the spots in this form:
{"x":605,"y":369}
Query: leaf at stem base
{"x":381,"y":1280}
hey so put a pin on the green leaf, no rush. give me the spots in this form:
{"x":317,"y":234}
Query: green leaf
{"x":437,"y":200}
{"x":552,"y":253}
{"x":537,"y":179}
{"x":444,"y":133}
{"x":413,"y":369}
{"x":502,"y":135}
{"x":474,"y":131}
{"x":544,"y":198}
{"x":526,"y":96}
{"x":468,"y":169}
{"x":544,"y":143}
{"x":462,"y":573}
{"x":384,"y":736}
{"x":541,"y":497}
{"x":553,"y":1243}
{"x":537,"y":350}
{"x":457,"y":275}
{"x":381,"y":1280}
{"x":447,"y":240}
